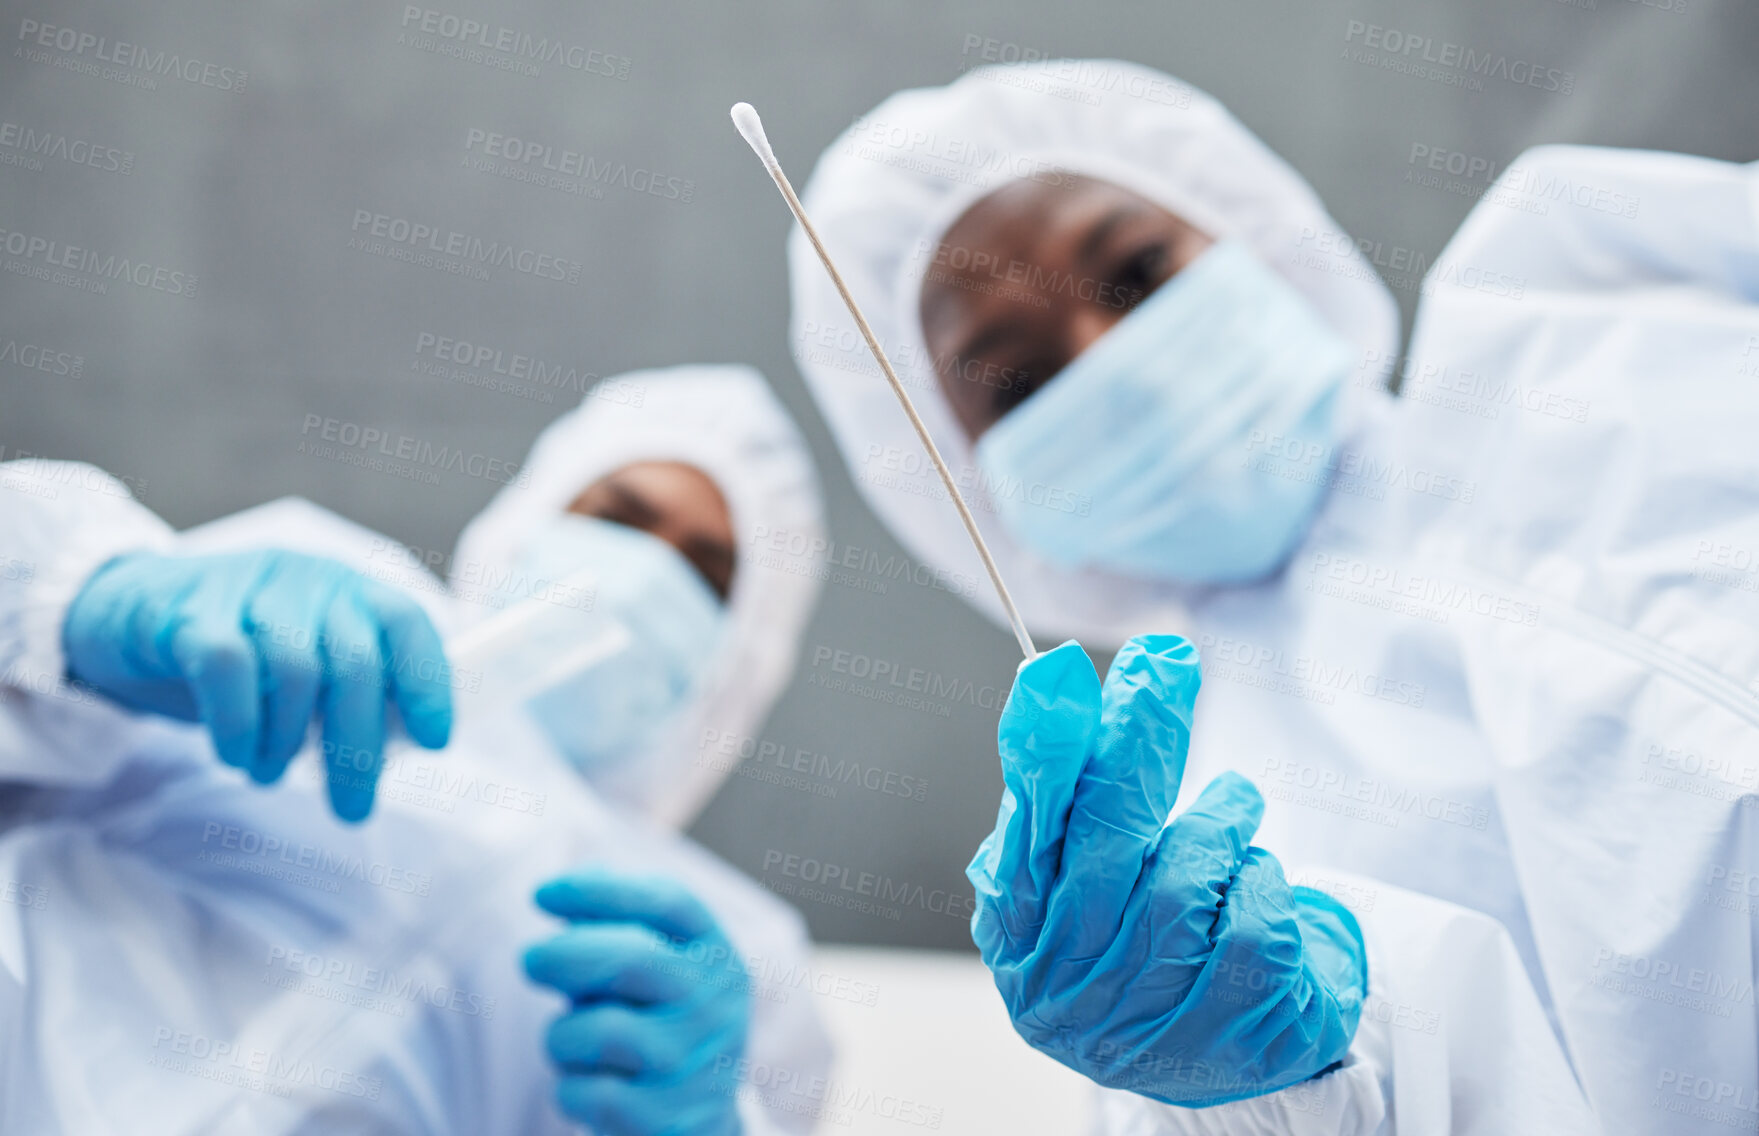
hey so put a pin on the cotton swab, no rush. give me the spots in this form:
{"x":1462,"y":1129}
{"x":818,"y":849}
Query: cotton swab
{"x":751,"y":129}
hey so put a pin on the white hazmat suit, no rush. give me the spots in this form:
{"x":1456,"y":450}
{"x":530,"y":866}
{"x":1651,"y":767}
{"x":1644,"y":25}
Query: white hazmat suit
{"x":1504,"y":691}
{"x":181,"y":952}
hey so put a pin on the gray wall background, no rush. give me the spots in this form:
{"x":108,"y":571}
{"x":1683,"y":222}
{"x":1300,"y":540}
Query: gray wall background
{"x":200,"y":400}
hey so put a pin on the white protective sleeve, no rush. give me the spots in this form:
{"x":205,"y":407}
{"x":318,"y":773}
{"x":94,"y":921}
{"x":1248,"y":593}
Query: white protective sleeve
{"x":59,"y":522}
{"x":1619,"y":502}
{"x":1452,"y":1042}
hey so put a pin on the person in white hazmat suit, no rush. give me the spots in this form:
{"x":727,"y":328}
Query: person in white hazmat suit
{"x":652,"y":451}
{"x":185,"y":953}
{"x":1488,"y":649}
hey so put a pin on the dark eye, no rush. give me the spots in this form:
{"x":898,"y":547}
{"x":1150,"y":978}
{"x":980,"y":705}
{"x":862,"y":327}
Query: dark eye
{"x":715,"y":563}
{"x":1017,"y":383}
{"x":1141,"y":273}
{"x":616,"y":512}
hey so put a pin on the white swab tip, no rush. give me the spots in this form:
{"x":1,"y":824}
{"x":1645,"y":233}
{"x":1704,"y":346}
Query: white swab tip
{"x":751,"y":129}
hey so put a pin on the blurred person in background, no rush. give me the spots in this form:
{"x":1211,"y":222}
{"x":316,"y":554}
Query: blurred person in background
{"x":236,"y":959}
{"x":677,"y":485}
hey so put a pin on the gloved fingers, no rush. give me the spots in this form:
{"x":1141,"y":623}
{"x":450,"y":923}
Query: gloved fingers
{"x":1049,"y":721}
{"x":1222,"y":821}
{"x":665,"y":905}
{"x":624,"y":961}
{"x":1259,"y":910}
{"x":1138,"y":760}
{"x":1333,"y":946}
{"x":612,"y":1106}
{"x":1194,"y":865}
{"x":1261,"y":991}
{"x":211,"y":647}
{"x":106,"y":637}
{"x":143,"y":598}
{"x":286,"y":617}
{"x":354,"y":706}
{"x":1044,"y":738}
{"x":420,"y":676}
{"x":1291,"y":932}
{"x":610,"y":1037}
{"x":1128,"y":787}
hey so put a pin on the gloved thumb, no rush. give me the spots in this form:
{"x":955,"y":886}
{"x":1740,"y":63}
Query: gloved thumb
{"x":1044,"y":739}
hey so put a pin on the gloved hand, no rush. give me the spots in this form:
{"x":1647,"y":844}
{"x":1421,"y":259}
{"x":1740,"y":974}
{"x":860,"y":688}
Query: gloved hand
{"x":661,"y":1007}
{"x":1165,"y":956}
{"x":255,"y":645}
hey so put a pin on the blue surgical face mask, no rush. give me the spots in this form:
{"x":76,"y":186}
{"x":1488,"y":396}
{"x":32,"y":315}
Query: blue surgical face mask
{"x":613,"y":711}
{"x":1190,"y":442}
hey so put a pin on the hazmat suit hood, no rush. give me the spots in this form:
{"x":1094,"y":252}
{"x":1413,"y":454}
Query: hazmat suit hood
{"x":890,"y":186}
{"x":724,"y":421}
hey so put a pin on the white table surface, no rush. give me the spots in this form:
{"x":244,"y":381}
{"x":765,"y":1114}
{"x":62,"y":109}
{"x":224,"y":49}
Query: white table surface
{"x":936,"y":1044}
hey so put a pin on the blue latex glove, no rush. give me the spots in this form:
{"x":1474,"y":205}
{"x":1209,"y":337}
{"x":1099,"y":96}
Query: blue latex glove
{"x":1163,"y":956}
{"x":257,"y":644}
{"x":661,"y":1007}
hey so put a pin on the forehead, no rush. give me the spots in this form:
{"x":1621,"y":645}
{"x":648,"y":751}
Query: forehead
{"x":1030,"y":212}
{"x":684,"y":492}
{"x":661,"y":476}
{"x":1029,"y":222}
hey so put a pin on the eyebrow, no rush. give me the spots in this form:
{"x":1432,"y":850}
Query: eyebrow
{"x":1097,"y":236}
{"x":637,"y":507}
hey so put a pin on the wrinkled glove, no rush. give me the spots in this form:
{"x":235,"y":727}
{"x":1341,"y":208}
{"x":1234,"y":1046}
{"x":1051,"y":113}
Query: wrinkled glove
{"x":1161,"y":955}
{"x":661,"y":1007}
{"x":255,"y":645}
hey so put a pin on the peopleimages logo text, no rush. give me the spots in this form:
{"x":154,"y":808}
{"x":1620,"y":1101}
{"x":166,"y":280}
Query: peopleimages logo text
{"x":1467,"y":61}
{"x":420,"y":236}
{"x":72,"y":41}
{"x":523,"y":46}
